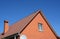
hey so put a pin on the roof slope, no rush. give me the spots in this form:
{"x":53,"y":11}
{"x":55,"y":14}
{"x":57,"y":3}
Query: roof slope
{"x":19,"y":26}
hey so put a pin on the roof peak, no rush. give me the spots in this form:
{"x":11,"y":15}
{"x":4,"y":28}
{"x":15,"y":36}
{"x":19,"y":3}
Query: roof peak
{"x":37,"y":11}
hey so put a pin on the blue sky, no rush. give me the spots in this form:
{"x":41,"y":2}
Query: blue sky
{"x":14,"y":10}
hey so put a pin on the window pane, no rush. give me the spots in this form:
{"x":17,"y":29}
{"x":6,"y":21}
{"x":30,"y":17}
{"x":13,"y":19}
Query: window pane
{"x":40,"y":27}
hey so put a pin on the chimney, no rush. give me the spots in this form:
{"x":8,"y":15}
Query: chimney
{"x":6,"y":26}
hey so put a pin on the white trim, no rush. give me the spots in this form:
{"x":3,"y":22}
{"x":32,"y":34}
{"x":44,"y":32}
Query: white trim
{"x":23,"y":36}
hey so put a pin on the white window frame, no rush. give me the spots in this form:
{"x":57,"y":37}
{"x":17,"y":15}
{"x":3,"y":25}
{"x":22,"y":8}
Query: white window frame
{"x":40,"y":27}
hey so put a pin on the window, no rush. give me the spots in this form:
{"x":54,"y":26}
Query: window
{"x":40,"y":27}
{"x":23,"y":37}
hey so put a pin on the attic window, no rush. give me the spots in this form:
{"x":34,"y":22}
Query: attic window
{"x":40,"y":27}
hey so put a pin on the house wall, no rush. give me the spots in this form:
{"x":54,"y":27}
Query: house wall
{"x":32,"y":32}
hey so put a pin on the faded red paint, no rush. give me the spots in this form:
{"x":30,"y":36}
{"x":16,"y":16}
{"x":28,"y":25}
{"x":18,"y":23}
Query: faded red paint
{"x":32,"y":32}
